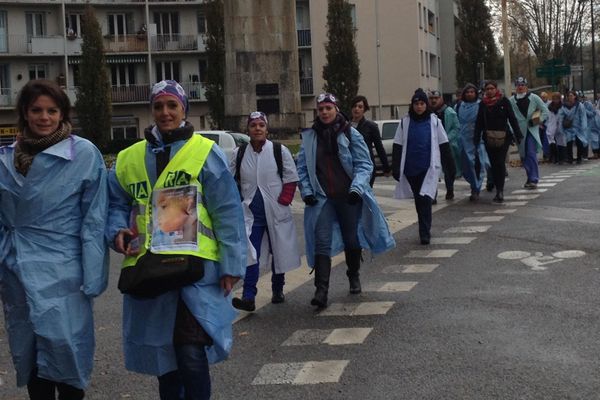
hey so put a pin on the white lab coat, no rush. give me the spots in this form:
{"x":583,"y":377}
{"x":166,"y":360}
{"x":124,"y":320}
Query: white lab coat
{"x":259,"y":171}
{"x":438,"y":136}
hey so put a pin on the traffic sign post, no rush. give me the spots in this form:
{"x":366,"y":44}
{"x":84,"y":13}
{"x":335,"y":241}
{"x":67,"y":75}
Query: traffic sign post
{"x":553,"y":68}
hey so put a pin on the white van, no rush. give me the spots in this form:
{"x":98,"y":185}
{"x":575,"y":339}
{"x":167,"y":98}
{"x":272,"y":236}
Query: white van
{"x":387,"y":129}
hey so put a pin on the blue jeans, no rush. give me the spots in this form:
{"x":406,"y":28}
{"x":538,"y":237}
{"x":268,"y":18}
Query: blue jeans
{"x":191,"y":381}
{"x":530,"y":162}
{"x":347,"y":216}
{"x":252,"y":271}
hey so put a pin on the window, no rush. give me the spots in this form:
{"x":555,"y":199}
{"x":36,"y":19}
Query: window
{"x":75,"y":74}
{"x":167,"y":70}
{"x":73,"y":24}
{"x":167,"y":23}
{"x":267,"y":89}
{"x":427,"y":66}
{"x":122,"y":74}
{"x":420,"y":16}
{"x":38,"y":71}
{"x":35,"y":24}
{"x":119,"y":25}
{"x":268,"y":106}
{"x":353,"y":15}
{"x":431,"y":22}
{"x":201,"y":22}
{"x":422,"y":65}
{"x":124,"y":128}
{"x":433,"y":65}
{"x":202,"y":69}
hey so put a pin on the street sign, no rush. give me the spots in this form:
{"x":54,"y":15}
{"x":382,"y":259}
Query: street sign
{"x":577,"y":68}
{"x":552,"y":71}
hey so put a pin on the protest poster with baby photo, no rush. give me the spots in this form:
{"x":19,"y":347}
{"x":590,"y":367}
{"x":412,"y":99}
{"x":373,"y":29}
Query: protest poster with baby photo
{"x":175,"y":219}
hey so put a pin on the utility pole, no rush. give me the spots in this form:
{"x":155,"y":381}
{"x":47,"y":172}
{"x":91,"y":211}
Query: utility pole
{"x":377,"y":49}
{"x":593,"y":53}
{"x":505,"y":45}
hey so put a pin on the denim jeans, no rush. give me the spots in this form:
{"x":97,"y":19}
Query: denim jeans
{"x":346,"y":215}
{"x":192,"y":380}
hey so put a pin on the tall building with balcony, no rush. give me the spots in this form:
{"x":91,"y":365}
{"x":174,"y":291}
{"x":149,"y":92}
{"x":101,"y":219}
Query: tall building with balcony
{"x":145,"y":41}
{"x":400,"y":45}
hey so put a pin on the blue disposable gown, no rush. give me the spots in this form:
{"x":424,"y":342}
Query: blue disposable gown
{"x":373,"y":231}
{"x":467,"y":115}
{"x":148,"y":323}
{"x":53,"y":258}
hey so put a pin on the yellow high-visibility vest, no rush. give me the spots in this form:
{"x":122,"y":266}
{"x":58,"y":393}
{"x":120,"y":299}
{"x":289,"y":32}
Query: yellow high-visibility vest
{"x":182,"y":170}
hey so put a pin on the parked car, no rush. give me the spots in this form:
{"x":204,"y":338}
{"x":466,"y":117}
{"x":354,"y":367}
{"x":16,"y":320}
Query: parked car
{"x":240,"y":138}
{"x":224,"y":139}
{"x":387,"y":128}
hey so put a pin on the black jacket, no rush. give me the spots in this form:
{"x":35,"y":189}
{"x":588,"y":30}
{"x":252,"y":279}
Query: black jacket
{"x":496,"y":118}
{"x":370,"y":132}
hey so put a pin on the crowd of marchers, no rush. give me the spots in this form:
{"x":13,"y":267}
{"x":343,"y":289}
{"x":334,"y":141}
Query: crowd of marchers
{"x":191,"y":223}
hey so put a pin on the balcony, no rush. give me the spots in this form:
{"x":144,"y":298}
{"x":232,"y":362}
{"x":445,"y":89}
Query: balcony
{"x":23,"y":44}
{"x":306,"y":86}
{"x":178,"y":42}
{"x":139,"y":93}
{"x":304,"y":38}
{"x":125,"y":43}
{"x":7,"y":97}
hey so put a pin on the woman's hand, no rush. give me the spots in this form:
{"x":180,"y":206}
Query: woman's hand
{"x":123,"y":243}
{"x":227,"y":283}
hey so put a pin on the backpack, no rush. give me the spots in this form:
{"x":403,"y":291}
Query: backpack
{"x":277,"y":153}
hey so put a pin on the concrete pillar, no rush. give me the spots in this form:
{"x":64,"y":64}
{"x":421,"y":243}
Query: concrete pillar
{"x":261,"y":64}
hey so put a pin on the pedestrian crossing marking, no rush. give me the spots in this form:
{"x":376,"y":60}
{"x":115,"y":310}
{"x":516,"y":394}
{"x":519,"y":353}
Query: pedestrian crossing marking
{"x":346,"y":336}
{"x":521,"y":197}
{"x":304,"y":337}
{"x":356,"y":309}
{"x":493,"y":218}
{"x":306,"y":373}
{"x":526,"y":191}
{"x":314,"y":372}
{"x":468,"y":229}
{"x":410,"y":268}
{"x":389,"y":287}
{"x":547,"y":184}
{"x":445,"y":253}
{"x":500,"y":211}
{"x":515,"y":203}
{"x":543,"y":180}
{"x":452,"y":240}
{"x":557,"y":176}
{"x":278,"y":374}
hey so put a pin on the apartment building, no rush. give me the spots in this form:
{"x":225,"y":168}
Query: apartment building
{"x":145,"y":41}
{"x":402,"y":45}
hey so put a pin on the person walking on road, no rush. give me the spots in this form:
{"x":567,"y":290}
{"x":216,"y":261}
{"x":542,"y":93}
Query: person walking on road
{"x":593,"y":136}
{"x":572,"y":121}
{"x":267,"y":177}
{"x":53,"y":257}
{"x":420,"y":149}
{"x":371,"y":134}
{"x":449,"y":120}
{"x":334,"y":167}
{"x":494,"y":116}
{"x":556,"y":136}
{"x":530,"y":111}
{"x":175,"y":331}
{"x":474,"y":159}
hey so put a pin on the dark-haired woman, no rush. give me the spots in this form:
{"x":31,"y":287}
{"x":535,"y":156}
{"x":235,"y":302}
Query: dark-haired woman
{"x":334,"y":168}
{"x":370,"y":132}
{"x":420,"y":148}
{"x":492,"y":125}
{"x":53,"y":205}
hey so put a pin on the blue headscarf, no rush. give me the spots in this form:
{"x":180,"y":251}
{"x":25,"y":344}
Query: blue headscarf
{"x":170,"y":88}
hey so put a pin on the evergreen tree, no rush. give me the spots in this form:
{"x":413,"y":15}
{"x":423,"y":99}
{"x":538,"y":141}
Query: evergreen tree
{"x":93,"y":104}
{"x":215,"y":72}
{"x":475,"y":43}
{"x":341,"y":72}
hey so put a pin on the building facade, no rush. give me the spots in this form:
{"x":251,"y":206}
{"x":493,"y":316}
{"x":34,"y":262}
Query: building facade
{"x":402,"y":45}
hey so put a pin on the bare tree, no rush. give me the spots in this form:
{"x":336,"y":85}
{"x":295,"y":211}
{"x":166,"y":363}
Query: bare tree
{"x":552,"y":28}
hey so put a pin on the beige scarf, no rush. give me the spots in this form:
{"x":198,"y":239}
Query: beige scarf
{"x":28,"y":145}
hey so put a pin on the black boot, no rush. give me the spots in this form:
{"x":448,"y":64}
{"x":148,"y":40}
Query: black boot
{"x":353,"y":262}
{"x":322,"y":272}
{"x":499,"y":196}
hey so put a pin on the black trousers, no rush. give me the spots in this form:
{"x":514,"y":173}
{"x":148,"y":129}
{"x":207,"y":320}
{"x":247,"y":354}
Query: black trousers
{"x":580,"y":150}
{"x":43,"y":389}
{"x":422,"y":204}
{"x":497,"y":156}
